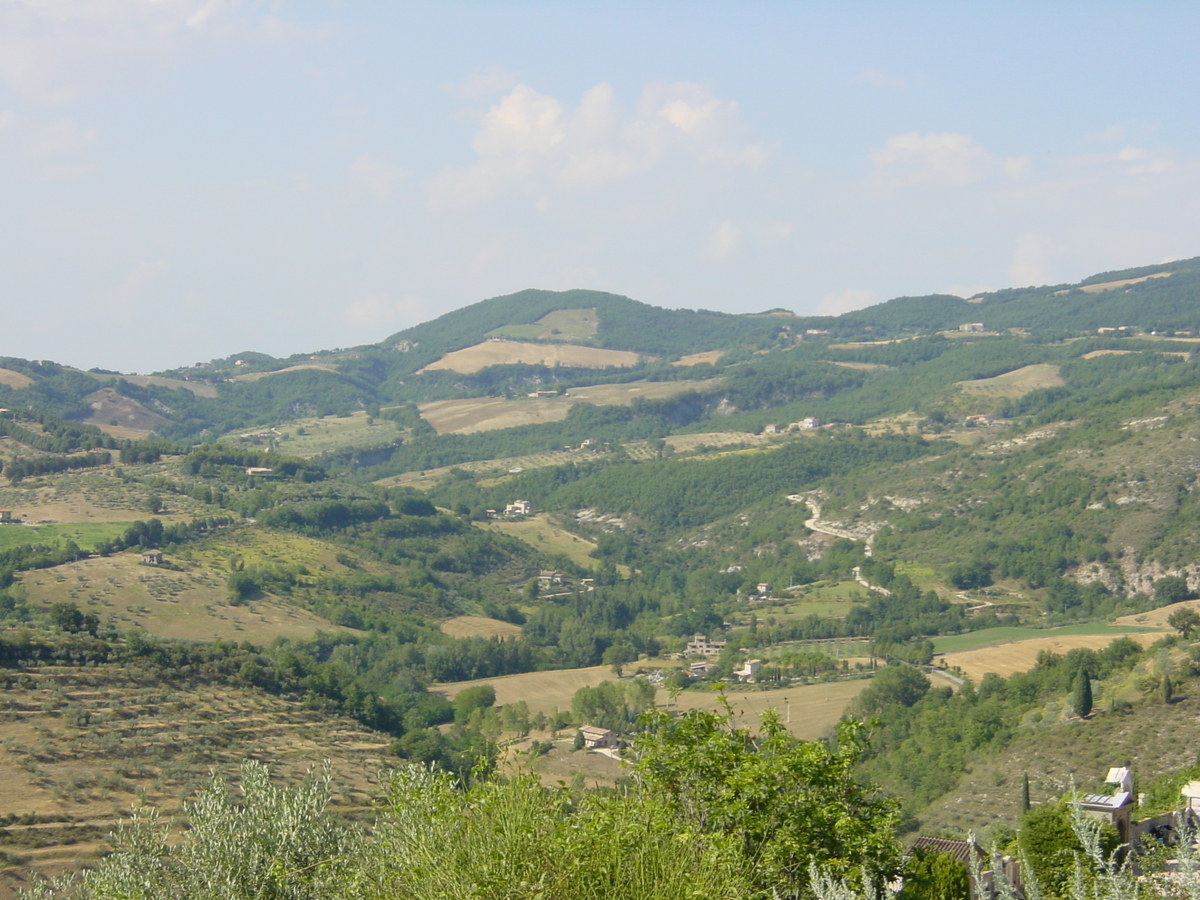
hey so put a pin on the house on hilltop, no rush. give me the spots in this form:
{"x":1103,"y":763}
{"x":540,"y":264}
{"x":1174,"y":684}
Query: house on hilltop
{"x":519,"y":508}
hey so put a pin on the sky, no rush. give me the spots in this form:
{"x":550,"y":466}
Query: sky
{"x":182,"y":180}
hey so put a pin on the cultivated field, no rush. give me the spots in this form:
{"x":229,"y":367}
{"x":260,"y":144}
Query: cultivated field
{"x":498,"y":467}
{"x":501,"y":353}
{"x":14,"y":379}
{"x":1016,"y":383}
{"x":544,"y":692}
{"x":1156,"y":618}
{"x":687,"y":443}
{"x":815,"y":708}
{"x":865,"y":367}
{"x":487,"y":413}
{"x":479,"y":626}
{"x":1021,"y":656}
{"x":78,"y":746}
{"x":563,"y":325}
{"x":547,"y":537}
{"x":199,"y":388}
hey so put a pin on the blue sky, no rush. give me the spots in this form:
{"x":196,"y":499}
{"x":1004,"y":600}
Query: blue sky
{"x":186,"y":179}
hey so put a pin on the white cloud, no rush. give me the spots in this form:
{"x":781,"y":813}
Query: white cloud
{"x":136,"y":286}
{"x":845,"y":301}
{"x":1143,"y":162}
{"x":53,"y":51}
{"x":534,"y":140}
{"x":881,"y":79}
{"x":1031,"y":260}
{"x":381,"y":311}
{"x":55,"y":148}
{"x":939,"y":159}
{"x":1109,"y":135}
{"x":375,"y":175}
{"x":723,"y":240}
{"x":485,"y":83}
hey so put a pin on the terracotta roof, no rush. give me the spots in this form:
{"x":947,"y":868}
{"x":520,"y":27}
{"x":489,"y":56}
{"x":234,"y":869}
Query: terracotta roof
{"x":960,"y":850}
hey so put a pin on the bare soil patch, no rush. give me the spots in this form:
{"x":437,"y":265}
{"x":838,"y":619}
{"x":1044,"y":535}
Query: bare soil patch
{"x":1103,"y":286}
{"x":120,"y":416}
{"x":15,"y":380}
{"x":488,"y":413}
{"x":1093,"y":354}
{"x":255,"y":376}
{"x":500,"y":353}
{"x":695,"y":359}
{"x":479,"y":626}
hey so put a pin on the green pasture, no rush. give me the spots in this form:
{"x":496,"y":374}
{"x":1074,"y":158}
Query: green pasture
{"x":85,"y":534}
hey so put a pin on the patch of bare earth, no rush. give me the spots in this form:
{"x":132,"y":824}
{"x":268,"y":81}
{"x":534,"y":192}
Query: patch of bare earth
{"x":15,"y":379}
{"x":503,"y":352}
{"x":120,"y":416}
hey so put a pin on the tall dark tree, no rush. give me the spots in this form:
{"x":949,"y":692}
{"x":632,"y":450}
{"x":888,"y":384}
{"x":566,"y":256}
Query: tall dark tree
{"x":1025,"y":793}
{"x":1083,"y":694}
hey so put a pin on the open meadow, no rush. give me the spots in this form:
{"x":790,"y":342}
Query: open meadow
{"x":561,"y":325}
{"x":1014,"y":384}
{"x":192,"y":604}
{"x":313,"y":436}
{"x":545,"y":536}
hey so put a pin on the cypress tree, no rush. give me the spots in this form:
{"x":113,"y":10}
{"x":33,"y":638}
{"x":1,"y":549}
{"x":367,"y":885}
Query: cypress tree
{"x":1083,"y":694}
{"x":1168,"y":691}
{"x":1025,"y":794}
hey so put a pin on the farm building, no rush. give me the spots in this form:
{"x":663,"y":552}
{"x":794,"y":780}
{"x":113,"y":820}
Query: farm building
{"x":519,"y":508}
{"x":6,"y":515}
{"x":748,"y":670}
{"x":971,"y":326}
{"x":152,"y":558}
{"x":595,"y":738}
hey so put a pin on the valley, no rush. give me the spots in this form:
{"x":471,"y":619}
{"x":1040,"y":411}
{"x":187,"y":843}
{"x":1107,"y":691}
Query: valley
{"x":554,"y":511}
